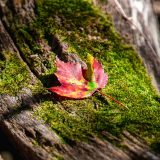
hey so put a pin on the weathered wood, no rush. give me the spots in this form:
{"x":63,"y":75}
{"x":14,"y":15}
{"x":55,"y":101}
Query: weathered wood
{"x":33,"y":139}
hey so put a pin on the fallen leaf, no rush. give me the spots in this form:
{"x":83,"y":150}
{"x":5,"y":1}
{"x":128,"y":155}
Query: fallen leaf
{"x":77,"y":82}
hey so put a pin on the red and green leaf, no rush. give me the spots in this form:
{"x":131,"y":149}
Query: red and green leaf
{"x":79,"y":83}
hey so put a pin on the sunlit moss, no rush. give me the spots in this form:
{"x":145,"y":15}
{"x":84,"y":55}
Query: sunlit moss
{"x":14,"y":75}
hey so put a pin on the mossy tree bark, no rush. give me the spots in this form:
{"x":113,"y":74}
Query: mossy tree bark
{"x":32,"y":137}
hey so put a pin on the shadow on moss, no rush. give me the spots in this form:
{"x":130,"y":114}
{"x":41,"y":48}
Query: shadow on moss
{"x":49,"y":80}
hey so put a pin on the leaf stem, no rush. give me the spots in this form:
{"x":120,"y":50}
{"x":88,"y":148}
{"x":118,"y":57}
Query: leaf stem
{"x":105,"y":95}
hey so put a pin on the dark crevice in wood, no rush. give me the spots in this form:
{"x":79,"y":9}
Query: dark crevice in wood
{"x":5,"y":145}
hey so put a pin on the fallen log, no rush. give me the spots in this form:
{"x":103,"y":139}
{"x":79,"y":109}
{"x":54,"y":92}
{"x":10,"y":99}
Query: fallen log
{"x":33,"y":137}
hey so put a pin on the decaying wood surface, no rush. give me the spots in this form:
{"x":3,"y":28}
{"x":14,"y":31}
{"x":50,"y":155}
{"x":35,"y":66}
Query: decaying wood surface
{"x":23,"y":130}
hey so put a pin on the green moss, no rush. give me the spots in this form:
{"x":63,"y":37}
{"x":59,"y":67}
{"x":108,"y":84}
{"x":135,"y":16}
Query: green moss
{"x":35,"y":50}
{"x":87,"y":30}
{"x":14,"y":75}
{"x":75,"y":120}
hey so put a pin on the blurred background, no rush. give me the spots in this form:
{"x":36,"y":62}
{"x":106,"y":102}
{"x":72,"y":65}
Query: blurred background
{"x":156,"y":7}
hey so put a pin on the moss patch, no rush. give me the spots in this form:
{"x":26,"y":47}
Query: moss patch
{"x":87,"y":30}
{"x":14,"y":75}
